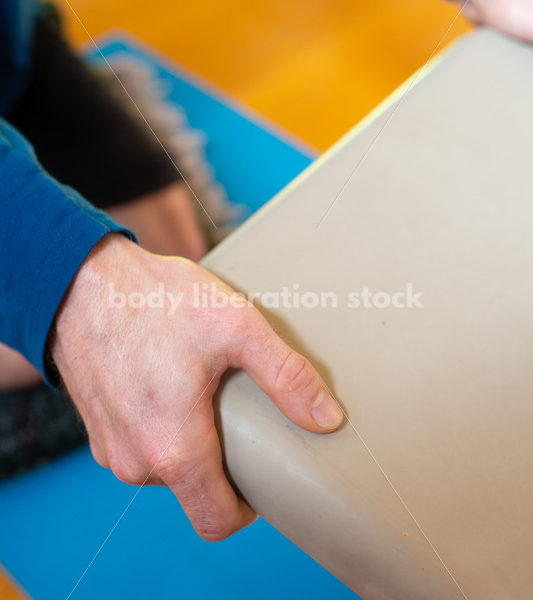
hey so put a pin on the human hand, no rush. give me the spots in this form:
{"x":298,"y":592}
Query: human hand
{"x":514,"y":17}
{"x":143,"y":378}
{"x":165,"y":222}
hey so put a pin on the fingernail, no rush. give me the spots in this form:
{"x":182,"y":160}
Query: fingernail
{"x":325,"y":411}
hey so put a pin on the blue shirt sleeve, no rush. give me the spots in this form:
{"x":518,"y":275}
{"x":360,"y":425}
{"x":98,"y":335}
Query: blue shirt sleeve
{"x":46,"y":232}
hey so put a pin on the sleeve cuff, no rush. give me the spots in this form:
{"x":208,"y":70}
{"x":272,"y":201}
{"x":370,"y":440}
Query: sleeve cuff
{"x":64,"y":258}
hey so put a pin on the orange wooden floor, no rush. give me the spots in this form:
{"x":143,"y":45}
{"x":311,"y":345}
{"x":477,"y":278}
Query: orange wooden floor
{"x":315,"y":67}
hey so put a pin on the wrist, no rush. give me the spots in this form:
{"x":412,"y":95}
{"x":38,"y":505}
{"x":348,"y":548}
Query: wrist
{"x":85,"y":295}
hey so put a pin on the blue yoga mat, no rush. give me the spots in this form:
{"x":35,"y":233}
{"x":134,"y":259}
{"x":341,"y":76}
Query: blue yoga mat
{"x":56,"y":519}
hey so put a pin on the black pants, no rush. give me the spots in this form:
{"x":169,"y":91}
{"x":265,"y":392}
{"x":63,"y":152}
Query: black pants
{"x":81,"y":134}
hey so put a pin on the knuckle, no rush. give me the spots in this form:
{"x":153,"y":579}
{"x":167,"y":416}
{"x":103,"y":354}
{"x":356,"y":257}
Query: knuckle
{"x":247,"y":319}
{"x":240,"y":332}
{"x":171,"y":469}
{"x":128,"y":472}
{"x":99,"y":457}
{"x":163,"y":459}
{"x":294,"y":372}
{"x":240,"y":325}
{"x":98,"y":453}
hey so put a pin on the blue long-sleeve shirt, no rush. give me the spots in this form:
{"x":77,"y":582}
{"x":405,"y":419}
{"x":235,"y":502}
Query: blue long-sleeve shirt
{"x":46,"y":229}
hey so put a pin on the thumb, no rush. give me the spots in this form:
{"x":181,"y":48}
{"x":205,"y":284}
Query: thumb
{"x":286,"y":377}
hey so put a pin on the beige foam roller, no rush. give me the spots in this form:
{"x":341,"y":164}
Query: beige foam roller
{"x":429,"y":496}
